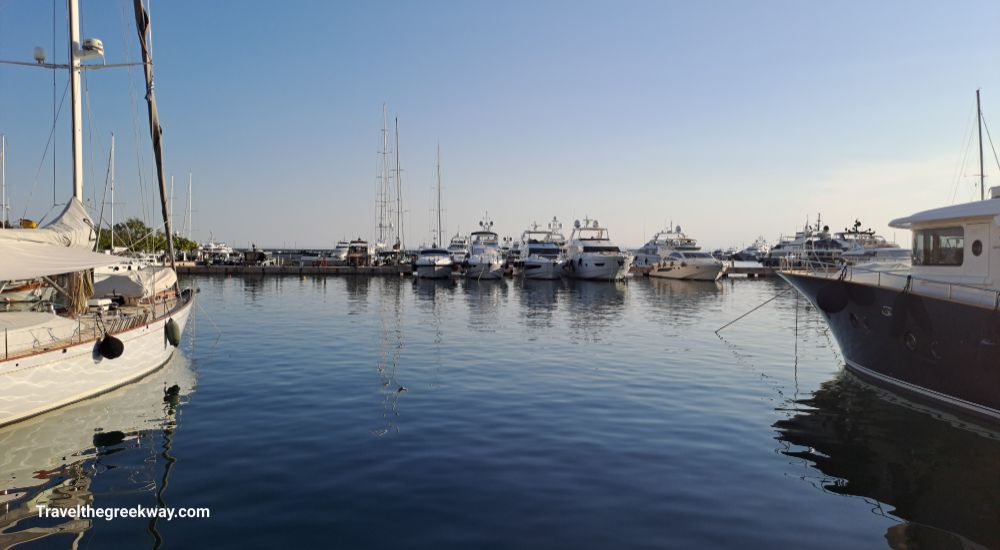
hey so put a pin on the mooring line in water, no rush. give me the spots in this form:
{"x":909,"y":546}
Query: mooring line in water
{"x":209,"y":317}
{"x":768,"y":301}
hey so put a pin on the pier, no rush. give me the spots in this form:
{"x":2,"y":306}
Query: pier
{"x":382,"y":270}
{"x":749,"y":271}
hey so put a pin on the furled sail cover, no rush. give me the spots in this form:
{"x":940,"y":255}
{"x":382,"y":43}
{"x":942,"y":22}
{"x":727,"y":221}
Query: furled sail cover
{"x":141,"y":283}
{"x":73,"y":228}
{"x":30,"y":260}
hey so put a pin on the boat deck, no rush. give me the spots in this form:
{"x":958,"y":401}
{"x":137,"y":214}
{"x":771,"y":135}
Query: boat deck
{"x":27,"y":333}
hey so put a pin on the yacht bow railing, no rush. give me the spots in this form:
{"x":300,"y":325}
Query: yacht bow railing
{"x":885,"y":278}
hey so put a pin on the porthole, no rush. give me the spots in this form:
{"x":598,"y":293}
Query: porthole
{"x":977,"y":247}
{"x":910,"y":341}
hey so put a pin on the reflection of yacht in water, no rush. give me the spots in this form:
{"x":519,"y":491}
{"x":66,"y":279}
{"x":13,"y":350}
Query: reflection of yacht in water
{"x":595,"y":306}
{"x":50,"y":459}
{"x":540,"y":301}
{"x":940,"y":480}
{"x":484,"y":300}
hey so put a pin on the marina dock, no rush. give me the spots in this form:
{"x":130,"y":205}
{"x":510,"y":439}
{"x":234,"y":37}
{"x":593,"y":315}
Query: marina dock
{"x":750,"y":271}
{"x":382,"y":270}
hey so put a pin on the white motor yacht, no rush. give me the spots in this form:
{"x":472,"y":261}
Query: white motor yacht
{"x":590,"y":254}
{"x":662,"y":244}
{"x":485,"y":260}
{"x":459,"y":249}
{"x":339,"y":254}
{"x":688,"y":265}
{"x":433,"y":263}
{"x":541,"y":256}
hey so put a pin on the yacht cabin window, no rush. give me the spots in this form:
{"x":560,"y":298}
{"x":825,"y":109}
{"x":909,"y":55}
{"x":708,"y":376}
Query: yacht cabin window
{"x":589,"y":248}
{"x":938,"y":246}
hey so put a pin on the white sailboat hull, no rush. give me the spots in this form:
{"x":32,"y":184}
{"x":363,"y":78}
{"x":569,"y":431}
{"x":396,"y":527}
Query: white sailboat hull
{"x":33,"y":384}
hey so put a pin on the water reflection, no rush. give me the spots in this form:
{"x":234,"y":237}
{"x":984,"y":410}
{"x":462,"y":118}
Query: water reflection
{"x":540,"y":302}
{"x":431,"y":291}
{"x":680,"y":303}
{"x":595,"y":306}
{"x":120,"y":439}
{"x":391,"y":343}
{"x":939,"y":478}
{"x":484,"y":299}
{"x":357,"y":293}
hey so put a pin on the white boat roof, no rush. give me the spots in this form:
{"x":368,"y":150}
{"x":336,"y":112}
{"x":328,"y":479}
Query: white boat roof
{"x":978,"y":209}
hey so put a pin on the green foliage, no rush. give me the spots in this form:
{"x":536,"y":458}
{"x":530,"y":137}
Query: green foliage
{"x":138,"y":237}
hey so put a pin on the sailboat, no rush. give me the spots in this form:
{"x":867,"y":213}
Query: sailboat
{"x":435,"y":262}
{"x":931,"y":332}
{"x":93,"y":344}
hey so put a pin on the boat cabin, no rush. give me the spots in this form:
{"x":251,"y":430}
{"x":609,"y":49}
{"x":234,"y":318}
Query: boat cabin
{"x":955,"y":243}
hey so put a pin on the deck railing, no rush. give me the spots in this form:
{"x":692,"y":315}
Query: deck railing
{"x":886,"y":278}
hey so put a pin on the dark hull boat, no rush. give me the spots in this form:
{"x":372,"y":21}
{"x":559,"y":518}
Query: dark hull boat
{"x":892,"y":332}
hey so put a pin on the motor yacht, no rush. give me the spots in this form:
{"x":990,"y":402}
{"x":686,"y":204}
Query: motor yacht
{"x":541,"y":256}
{"x":591,"y":255}
{"x":485,"y":260}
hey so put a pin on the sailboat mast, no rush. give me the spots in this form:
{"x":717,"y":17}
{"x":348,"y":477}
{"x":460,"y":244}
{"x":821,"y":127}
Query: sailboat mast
{"x":399,"y":193}
{"x":979,"y":124}
{"x":189,"y":221}
{"x":112,"y":192}
{"x":3,"y":181}
{"x":155,"y":130}
{"x":384,"y":184}
{"x":75,"y":102}
{"x":440,"y":236}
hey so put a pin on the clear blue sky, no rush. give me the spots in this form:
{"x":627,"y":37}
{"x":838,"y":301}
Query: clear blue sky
{"x":732,"y":118}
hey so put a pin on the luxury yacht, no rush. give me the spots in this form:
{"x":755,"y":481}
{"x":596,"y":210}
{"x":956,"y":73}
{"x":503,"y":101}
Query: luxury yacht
{"x":590,"y":254}
{"x":433,"y":263}
{"x":358,"y":253}
{"x":485,"y":260}
{"x":930,"y":331}
{"x":689,"y":266}
{"x":541,"y":256}
{"x":753,"y":253}
{"x":339,"y":254}
{"x":459,"y":249}
{"x":662,"y":244}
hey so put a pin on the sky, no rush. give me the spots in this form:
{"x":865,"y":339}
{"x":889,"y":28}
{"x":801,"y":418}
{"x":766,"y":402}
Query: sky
{"x":733,"y":119}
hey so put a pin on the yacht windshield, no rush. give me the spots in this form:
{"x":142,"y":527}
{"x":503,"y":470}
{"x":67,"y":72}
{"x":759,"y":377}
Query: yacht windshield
{"x":604,"y":249}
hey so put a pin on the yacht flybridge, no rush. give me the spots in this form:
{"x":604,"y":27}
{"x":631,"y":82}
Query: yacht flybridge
{"x":90,"y":345}
{"x":590,"y":254}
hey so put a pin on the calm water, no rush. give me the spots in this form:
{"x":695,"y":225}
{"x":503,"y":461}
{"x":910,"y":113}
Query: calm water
{"x":382,"y":413}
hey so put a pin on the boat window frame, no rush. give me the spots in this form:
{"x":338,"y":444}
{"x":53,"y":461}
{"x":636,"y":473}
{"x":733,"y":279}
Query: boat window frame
{"x":929,"y":249}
